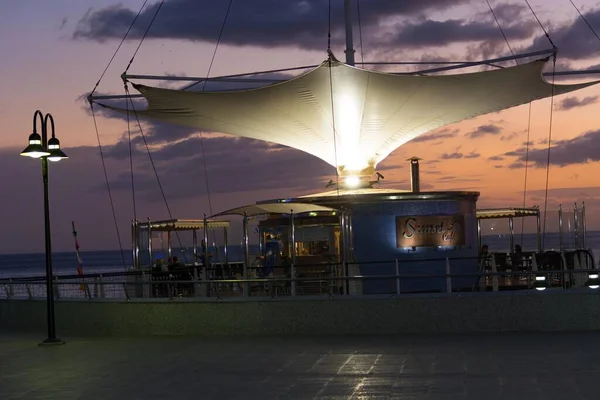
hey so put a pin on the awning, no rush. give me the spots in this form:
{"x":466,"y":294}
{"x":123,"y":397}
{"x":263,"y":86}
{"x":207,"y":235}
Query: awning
{"x":349,"y":117}
{"x":275,"y":208}
{"x":182,"y":225}
{"x":507,"y":213}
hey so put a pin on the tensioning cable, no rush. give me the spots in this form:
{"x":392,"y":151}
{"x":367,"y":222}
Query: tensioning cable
{"x":118,"y":48}
{"x":330,"y":59}
{"x":110,"y":197}
{"x":540,"y":24}
{"x":527,"y":144}
{"x":551,"y":120}
{"x":549,"y":150}
{"x":130,"y":156}
{"x":212,"y":60}
{"x":145,"y":34}
{"x":153,"y":166}
{"x":112,"y":204}
{"x":528,"y":120}
{"x":501,"y":30}
{"x":585,"y":20}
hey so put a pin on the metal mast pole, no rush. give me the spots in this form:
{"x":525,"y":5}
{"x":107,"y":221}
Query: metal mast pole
{"x":349,"y":39}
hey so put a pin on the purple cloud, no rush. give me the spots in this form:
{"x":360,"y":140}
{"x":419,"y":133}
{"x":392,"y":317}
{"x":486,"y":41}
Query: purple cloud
{"x":573,"y":102}
{"x":485,"y":130}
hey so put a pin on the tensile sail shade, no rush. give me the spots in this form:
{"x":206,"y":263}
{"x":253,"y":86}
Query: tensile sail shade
{"x":350,"y":117}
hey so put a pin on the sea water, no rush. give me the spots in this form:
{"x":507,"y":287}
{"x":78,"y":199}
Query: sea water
{"x":65,"y":263}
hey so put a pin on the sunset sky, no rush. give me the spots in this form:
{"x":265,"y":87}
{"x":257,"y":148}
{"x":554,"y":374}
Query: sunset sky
{"x":53,"y":53}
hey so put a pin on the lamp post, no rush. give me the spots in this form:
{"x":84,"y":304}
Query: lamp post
{"x":46,"y":149}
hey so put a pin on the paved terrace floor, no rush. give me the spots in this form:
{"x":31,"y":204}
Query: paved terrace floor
{"x":511,"y":366}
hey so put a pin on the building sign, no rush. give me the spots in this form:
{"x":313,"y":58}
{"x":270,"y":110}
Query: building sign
{"x":430,"y":230}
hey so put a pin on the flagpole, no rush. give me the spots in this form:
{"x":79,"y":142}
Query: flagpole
{"x":82,"y":286}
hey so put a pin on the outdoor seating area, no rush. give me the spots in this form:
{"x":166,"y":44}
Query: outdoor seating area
{"x":224,"y":281}
{"x":520,"y":270}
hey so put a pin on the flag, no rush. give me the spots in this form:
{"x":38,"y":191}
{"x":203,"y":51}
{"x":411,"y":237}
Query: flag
{"x":79,"y":261}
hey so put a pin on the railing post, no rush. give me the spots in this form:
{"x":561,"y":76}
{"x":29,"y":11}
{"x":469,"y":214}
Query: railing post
{"x":124,"y":291}
{"x":576,"y":225}
{"x":28,"y":288}
{"x":511,"y":230}
{"x":448,"y":278}
{"x":10,"y":291}
{"x":494,"y":276}
{"x":482,"y":279}
{"x":56,"y":288}
{"x":197,"y":285}
{"x":397,"y":277}
{"x":560,"y":228}
{"x":149,"y":244}
{"x":293,"y":276}
{"x":101,"y":279}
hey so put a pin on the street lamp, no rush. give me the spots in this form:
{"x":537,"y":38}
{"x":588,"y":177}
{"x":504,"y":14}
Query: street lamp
{"x":41,"y":147}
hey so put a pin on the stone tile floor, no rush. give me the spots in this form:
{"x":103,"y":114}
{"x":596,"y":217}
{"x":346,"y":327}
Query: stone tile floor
{"x":507,"y":366}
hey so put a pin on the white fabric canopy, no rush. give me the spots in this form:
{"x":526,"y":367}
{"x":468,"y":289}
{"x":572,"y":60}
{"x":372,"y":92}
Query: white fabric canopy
{"x":374,"y":112}
{"x":274,"y":208}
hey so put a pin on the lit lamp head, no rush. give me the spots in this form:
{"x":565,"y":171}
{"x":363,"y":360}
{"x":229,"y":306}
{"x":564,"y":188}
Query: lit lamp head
{"x":540,"y":282}
{"x":56,"y":154}
{"x":352,"y":181}
{"x":593,"y":281}
{"x":35,"y":149}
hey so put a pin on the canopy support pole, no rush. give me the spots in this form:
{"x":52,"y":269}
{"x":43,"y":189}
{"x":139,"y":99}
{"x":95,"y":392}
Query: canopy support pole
{"x":205,"y":257}
{"x":350,"y":236}
{"x":479,"y":244}
{"x":560,"y":228}
{"x":293,"y":252}
{"x":484,"y":62}
{"x":246,"y":254}
{"x":225,"y":244}
{"x":584,"y":226}
{"x":135,"y":243}
{"x":169,"y":249}
{"x":511,"y":229}
{"x":349,"y":37}
{"x":343,"y":246}
{"x":576,"y":225}
{"x":539,"y":231}
{"x":261,"y":241}
{"x":149,"y":244}
{"x":195,"y":245}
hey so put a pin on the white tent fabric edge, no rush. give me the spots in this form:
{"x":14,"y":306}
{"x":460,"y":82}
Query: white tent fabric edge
{"x":254,"y":210}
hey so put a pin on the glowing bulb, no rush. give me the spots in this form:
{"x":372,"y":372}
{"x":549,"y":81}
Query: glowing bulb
{"x":352,"y":181}
{"x":35,"y":154}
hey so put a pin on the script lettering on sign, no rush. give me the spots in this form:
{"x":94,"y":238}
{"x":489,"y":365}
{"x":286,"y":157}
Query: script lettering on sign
{"x":430,"y":230}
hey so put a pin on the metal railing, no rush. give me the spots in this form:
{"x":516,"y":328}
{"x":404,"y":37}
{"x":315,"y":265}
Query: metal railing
{"x":331,"y":280}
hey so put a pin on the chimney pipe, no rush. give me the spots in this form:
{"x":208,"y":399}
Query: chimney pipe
{"x":415,"y":181}
{"x":349,"y":37}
